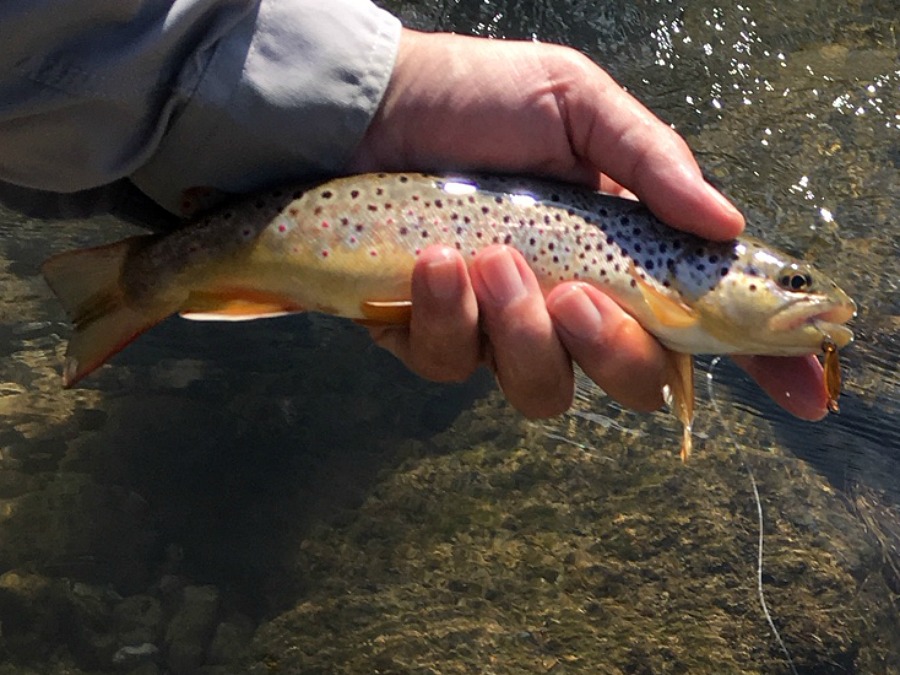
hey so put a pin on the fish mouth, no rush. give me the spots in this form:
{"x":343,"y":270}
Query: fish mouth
{"x":826,"y":317}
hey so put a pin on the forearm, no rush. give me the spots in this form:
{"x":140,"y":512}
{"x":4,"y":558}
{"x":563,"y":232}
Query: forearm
{"x":232,"y":95}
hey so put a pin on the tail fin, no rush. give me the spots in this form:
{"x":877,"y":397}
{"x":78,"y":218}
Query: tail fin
{"x":88,"y":284}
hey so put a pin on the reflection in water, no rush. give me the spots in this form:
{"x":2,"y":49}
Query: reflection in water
{"x":288,"y":478}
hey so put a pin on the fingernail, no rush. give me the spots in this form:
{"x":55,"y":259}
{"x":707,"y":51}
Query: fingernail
{"x":443,"y":278}
{"x":501,"y":276}
{"x":576,"y":313}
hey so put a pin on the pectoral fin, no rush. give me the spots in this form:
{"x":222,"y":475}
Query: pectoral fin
{"x":386,"y":311}
{"x":679,"y":395}
{"x":668,"y":311}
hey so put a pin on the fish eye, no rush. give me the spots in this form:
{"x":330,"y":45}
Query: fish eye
{"x":795,"y":279}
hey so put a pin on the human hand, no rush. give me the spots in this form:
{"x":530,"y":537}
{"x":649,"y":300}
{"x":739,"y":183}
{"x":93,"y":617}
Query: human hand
{"x":461,"y":103}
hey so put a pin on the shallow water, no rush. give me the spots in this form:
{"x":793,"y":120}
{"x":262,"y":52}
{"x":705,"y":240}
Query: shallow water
{"x":283,"y":496}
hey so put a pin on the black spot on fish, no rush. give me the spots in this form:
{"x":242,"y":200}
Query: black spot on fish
{"x":438,"y":204}
{"x":403,"y":179}
{"x":353,"y":194}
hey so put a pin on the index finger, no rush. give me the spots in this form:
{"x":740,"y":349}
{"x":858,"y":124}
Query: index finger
{"x":614,"y":133}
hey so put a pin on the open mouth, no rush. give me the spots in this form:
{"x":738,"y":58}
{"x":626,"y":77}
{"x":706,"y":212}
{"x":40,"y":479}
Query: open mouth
{"x":827,"y":317}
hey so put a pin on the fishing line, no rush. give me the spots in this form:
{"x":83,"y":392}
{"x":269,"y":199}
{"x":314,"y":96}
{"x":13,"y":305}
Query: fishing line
{"x":759,"y":513}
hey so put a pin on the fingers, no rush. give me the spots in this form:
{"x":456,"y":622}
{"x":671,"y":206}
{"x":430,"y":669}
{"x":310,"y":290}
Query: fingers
{"x":794,"y":383}
{"x":532,"y":342}
{"x":609,"y":345}
{"x":532,"y":367}
{"x":442,"y":341}
{"x":610,"y":130}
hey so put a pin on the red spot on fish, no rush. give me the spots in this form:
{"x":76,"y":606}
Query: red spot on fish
{"x":373,"y":253}
{"x":282,"y":228}
{"x":324,"y":253}
{"x":324,"y":224}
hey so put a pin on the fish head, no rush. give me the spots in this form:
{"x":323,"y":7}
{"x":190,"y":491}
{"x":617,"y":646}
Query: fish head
{"x":768,"y":302}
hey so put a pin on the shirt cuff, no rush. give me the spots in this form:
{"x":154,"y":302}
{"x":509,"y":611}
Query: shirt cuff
{"x":287,"y":95}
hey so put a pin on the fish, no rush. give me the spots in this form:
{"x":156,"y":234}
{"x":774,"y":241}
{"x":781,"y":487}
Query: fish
{"x":347,"y":247}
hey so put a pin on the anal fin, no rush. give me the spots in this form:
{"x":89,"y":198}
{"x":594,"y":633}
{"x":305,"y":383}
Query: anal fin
{"x":238,"y":305}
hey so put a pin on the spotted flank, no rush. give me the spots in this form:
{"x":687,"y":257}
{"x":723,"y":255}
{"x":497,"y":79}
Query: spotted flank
{"x":347,"y":247}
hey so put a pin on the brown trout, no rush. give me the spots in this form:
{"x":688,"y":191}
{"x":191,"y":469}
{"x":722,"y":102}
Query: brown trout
{"x":347,"y":247}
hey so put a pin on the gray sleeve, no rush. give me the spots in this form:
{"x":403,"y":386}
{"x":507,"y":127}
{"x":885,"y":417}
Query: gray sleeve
{"x":231,"y":94}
